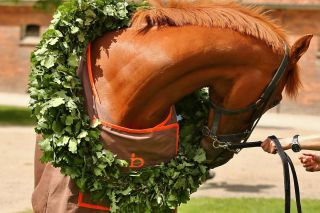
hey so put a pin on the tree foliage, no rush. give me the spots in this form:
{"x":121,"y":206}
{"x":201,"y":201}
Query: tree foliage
{"x":45,"y":5}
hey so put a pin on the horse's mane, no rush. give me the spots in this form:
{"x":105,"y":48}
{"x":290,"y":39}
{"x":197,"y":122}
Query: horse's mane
{"x":247,"y":20}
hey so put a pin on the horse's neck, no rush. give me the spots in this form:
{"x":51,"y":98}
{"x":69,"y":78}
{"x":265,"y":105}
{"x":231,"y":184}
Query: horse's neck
{"x":144,"y":75}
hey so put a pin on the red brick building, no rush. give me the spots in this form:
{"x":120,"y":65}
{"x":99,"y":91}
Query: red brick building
{"x":20,"y":29}
{"x":21,"y":26}
{"x":300,"y":17}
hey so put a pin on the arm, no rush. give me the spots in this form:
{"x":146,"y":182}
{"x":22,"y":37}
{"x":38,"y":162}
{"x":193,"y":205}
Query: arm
{"x":311,"y":145}
{"x":307,"y":144}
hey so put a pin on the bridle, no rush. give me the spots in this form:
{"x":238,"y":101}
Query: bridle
{"x":259,"y":107}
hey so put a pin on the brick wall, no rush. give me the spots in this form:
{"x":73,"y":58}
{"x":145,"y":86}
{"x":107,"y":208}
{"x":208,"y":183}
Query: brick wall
{"x":298,"y":23}
{"x":14,"y":60}
{"x":14,"y":56}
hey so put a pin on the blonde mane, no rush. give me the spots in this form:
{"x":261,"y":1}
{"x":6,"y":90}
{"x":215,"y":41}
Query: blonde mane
{"x":246,"y":20}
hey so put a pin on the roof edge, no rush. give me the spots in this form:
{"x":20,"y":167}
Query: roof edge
{"x":18,"y":3}
{"x":286,"y":6}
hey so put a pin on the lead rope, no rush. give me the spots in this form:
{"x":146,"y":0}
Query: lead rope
{"x":286,"y":162}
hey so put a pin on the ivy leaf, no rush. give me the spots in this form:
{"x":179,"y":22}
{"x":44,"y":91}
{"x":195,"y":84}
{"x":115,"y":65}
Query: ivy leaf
{"x":200,"y":156}
{"x":49,"y":61}
{"x":81,"y":37}
{"x":58,"y":33}
{"x":127,"y":191}
{"x":83,"y":134}
{"x":73,"y":145}
{"x":73,"y":61}
{"x":96,"y":123}
{"x":56,"y":18}
{"x":69,"y":120}
{"x":53,"y":41}
{"x":63,"y":141}
{"x":97,"y":171}
{"x":74,"y":29}
{"x":55,"y":102}
{"x":71,"y":105}
{"x":57,"y":127}
{"x":45,"y":145}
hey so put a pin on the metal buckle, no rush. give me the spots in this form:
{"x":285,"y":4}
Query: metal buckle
{"x":206,"y":131}
{"x":216,"y":143}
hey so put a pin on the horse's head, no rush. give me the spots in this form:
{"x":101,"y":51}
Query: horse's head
{"x":242,"y":98}
{"x":168,"y":53}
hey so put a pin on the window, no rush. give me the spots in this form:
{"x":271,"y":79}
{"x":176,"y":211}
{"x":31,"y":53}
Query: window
{"x":32,"y":30}
{"x":30,"y":34}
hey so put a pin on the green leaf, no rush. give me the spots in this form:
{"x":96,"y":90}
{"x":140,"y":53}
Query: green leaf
{"x":97,"y":171}
{"x":81,"y":37}
{"x":127,"y":191}
{"x":200,"y":156}
{"x":57,"y":127}
{"x":53,"y":41}
{"x":63,"y":141}
{"x":56,"y":18}
{"x":96,"y":123}
{"x":71,"y":105}
{"x":73,"y":61}
{"x":45,"y":145}
{"x":55,"y":102}
{"x":74,"y":29}
{"x":49,"y":61}
{"x":73,"y":145}
{"x":83,"y":134}
{"x":69,"y":120}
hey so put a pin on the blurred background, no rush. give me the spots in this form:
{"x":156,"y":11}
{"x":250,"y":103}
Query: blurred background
{"x":250,"y":175}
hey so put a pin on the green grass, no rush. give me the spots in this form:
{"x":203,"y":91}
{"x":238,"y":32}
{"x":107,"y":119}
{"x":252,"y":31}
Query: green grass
{"x":245,"y":205}
{"x":242,"y":205}
{"x":20,"y":116}
{"x":26,"y":211}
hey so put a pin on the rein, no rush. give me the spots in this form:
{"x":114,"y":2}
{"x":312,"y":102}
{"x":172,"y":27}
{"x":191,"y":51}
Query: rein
{"x":286,"y":163}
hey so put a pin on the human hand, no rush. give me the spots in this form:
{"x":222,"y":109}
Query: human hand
{"x":310,"y":161}
{"x":269,"y":146}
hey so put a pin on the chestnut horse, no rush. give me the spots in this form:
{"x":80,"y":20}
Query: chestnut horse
{"x":170,"y":51}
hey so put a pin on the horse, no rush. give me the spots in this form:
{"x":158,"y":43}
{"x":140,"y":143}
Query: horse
{"x":170,"y":51}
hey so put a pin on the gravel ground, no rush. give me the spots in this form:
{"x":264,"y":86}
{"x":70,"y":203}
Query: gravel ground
{"x":16,"y":173}
{"x":251,"y":173}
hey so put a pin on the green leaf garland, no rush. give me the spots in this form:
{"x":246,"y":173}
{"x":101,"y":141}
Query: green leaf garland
{"x":71,"y":143}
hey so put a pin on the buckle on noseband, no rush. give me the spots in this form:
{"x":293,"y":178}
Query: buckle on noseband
{"x":216,"y":143}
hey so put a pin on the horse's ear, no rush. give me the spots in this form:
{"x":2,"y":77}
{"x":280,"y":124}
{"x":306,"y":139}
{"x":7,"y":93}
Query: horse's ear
{"x":299,"y":48}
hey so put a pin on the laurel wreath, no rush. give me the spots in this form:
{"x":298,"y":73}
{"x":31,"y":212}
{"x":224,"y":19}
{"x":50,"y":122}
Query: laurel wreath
{"x":73,"y":144}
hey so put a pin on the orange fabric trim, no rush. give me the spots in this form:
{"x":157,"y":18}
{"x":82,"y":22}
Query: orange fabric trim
{"x":166,"y":120}
{"x":177,"y":137}
{"x":90,"y":206}
{"x":138,"y":130}
{"x":152,"y":129}
{"x":90,"y":71}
